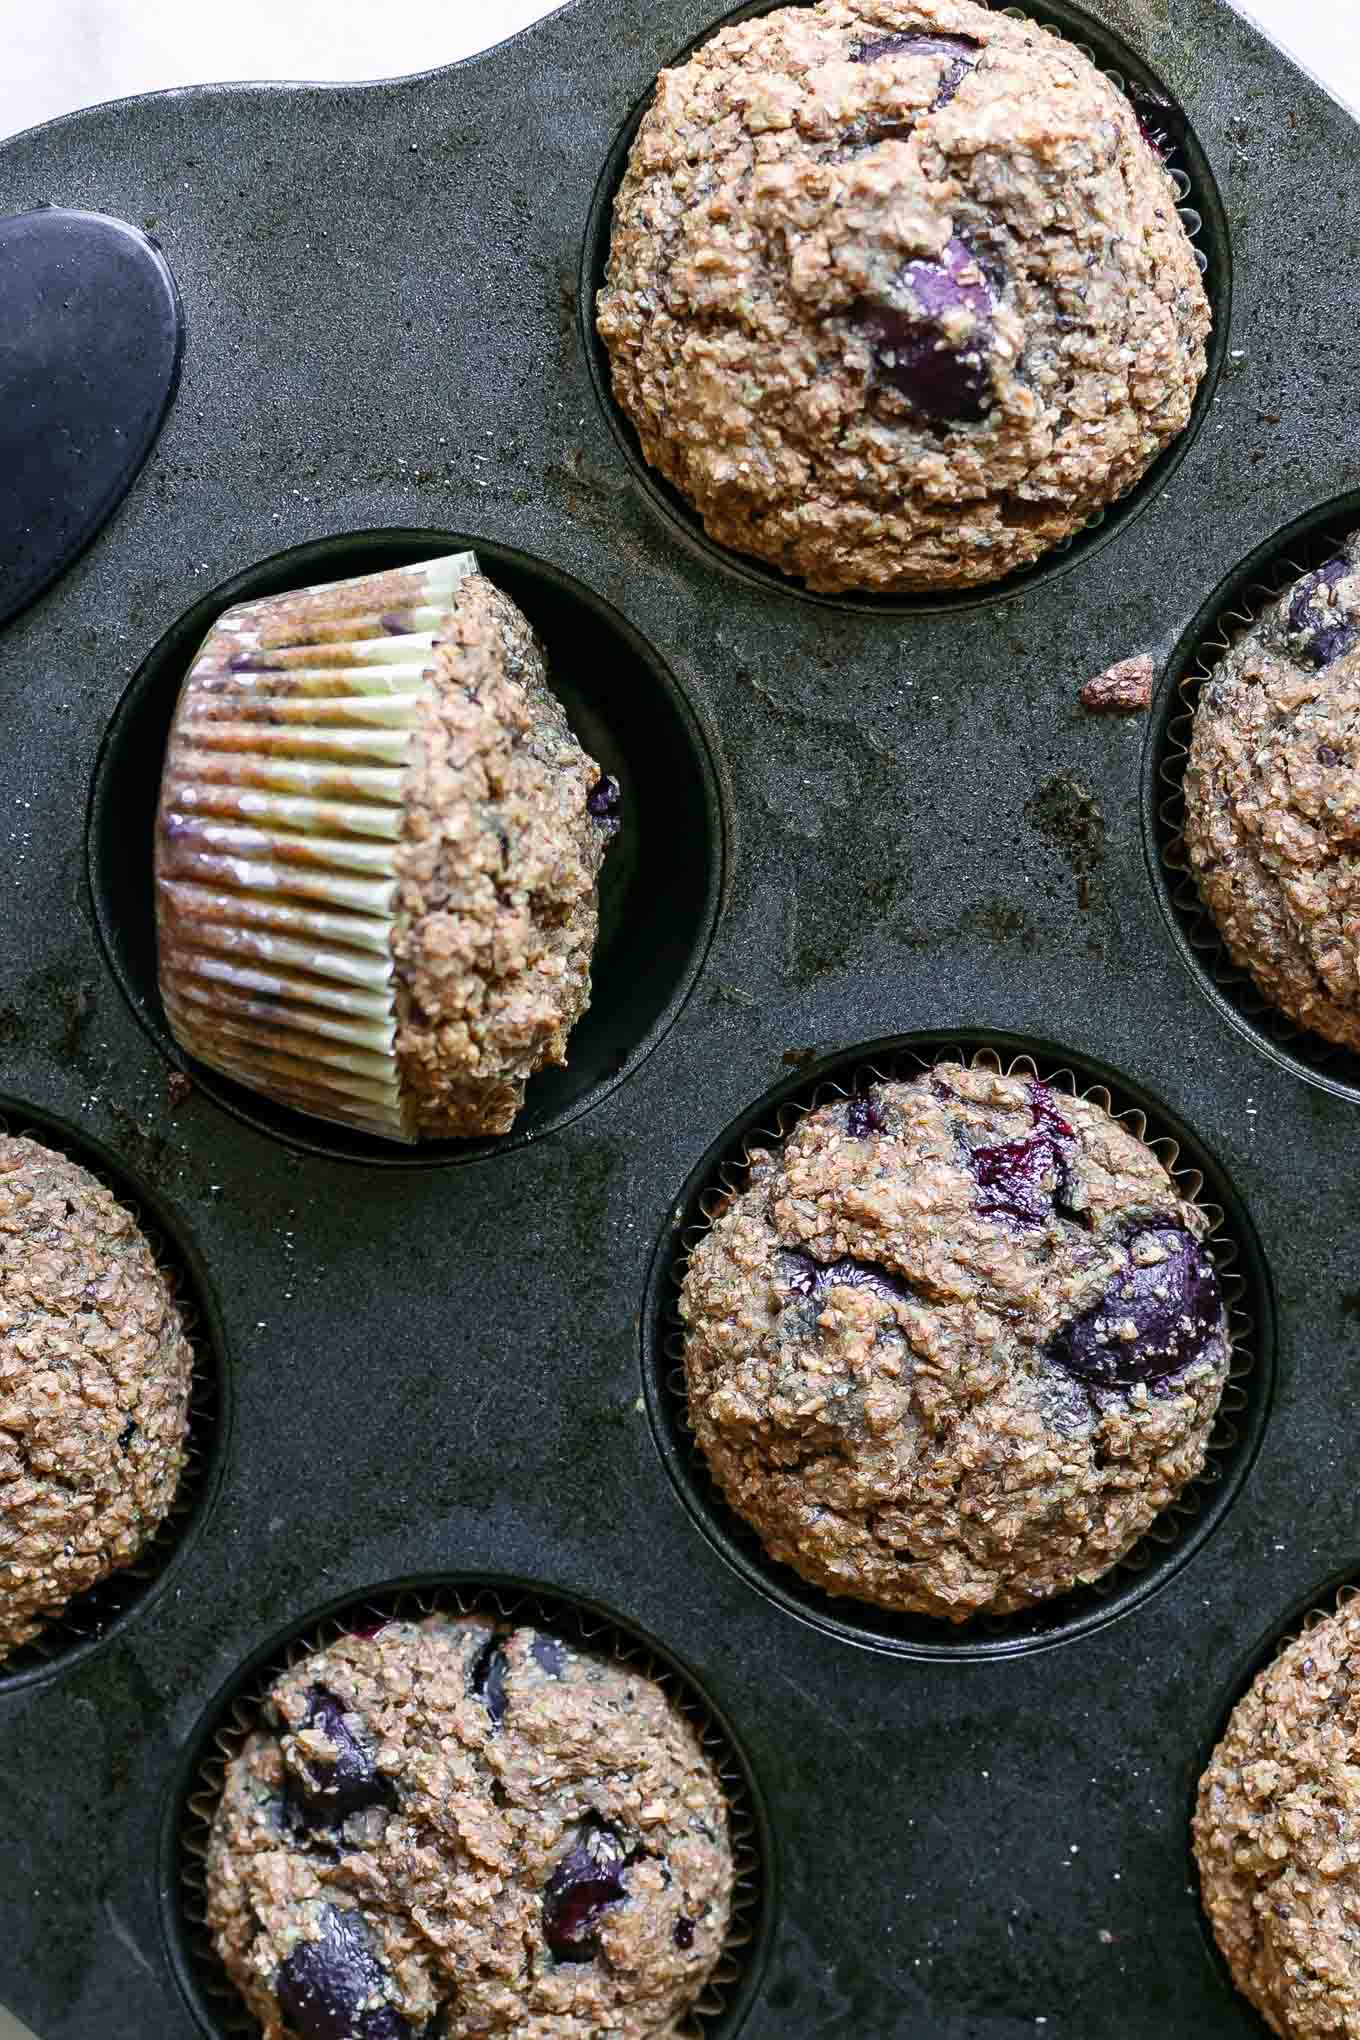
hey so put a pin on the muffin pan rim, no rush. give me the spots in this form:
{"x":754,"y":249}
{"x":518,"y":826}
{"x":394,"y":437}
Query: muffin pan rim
{"x":156,"y":1218}
{"x":684,"y":523}
{"x":316,"y":1137}
{"x":740,"y":1546}
{"x":1223,"y":983}
{"x":272,"y":1657}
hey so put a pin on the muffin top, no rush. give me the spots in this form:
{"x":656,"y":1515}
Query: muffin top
{"x":898,"y":294}
{"x":1274,"y":1835}
{"x":1272,"y":800}
{"x":955,"y":1345}
{"x":95,"y":1375}
{"x":451,"y":1827}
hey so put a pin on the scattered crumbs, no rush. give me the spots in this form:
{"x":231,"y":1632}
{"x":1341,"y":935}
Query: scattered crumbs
{"x":799,"y":1058}
{"x":177,"y":1089}
{"x":1106,"y":1938}
{"x":1122,"y":689}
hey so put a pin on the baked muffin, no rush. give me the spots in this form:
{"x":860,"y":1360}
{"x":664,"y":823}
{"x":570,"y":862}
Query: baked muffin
{"x":377,"y":852}
{"x":1274,"y":1836}
{"x":1272,"y":800}
{"x":453,"y":1828}
{"x":955,"y":1345}
{"x":898,"y":294}
{"x":95,"y":1376}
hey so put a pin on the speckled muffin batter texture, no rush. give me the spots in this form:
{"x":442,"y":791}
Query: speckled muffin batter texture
{"x":954,"y":1346}
{"x":1272,"y":800}
{"x":898,"y":294}
{"x":95,"y":1376}
{"x":451,"y":1828}
{"x":1275,"y":1836}
{"x":500,"y":855}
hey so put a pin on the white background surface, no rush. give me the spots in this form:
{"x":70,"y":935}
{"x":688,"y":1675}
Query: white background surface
{"x":70,"y":53}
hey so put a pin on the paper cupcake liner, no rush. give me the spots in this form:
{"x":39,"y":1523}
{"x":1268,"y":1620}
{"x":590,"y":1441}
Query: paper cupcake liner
{"x":1174,"y":1522}
{"x":88,"y":1615}
{"x":280,"y":820}
{"x":230,"y":2018}
{"x":1211,"y":952}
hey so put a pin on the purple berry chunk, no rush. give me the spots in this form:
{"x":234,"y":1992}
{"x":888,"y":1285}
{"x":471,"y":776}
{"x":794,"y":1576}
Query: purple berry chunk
{"x":961,"y":49}
{"x":1026,"y":1179}
{"x":550,"y":1654}
{"x":684,"y":1932}
{"x":587,"y":1881}
{"x":865,"y":1115}
{"x":1327,"y":756}
{"x":932,"y":343}
{"x":603,"y":798}
{"x":1161,"y":122}
{"x":1326,"y":632}
{"x":327,"y":1988}
{"x":330,"y":1789}
{"x":487,"y":1683}
{"x":1155,"y":1319}
{"x":806,"y":1277}
{"x":127,"y":1434}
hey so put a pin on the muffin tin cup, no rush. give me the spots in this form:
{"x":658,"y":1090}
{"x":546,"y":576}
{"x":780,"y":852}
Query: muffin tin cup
{"x":1202,"y":214}
{"x":1176,"y":1534}
{"x":720,"y":2010}
{"x":101,"y":1612}
{"x":631,"y":716}
{"x":1336,"y":1593}
{"x":1234,"y":608}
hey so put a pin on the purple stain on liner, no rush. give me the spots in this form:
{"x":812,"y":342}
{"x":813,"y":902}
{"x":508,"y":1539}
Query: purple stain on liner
{"x":942,"y":376}
{"x":548,"y":1653}
{"x":1154,"y":1320}
{"x":963,"y":49}
{"x":397,"y":622}
{"x":253,"y":662}
{"x":587,"y":1881}
{"x":331,"y":1789}
{"x":326,"y":1988}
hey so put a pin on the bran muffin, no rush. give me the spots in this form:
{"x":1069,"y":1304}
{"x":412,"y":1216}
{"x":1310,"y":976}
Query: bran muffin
{"x":955,"y":1345}
{"x":1272,"y":800}
{"x":1274,"y":1836}
{"x":898,"y":294}
{"x":377,"y":854}
{"x":451,"y":1828}
{"x":95,"y":1373}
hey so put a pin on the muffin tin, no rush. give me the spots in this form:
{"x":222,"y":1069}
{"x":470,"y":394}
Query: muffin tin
{"x":884,"y":830}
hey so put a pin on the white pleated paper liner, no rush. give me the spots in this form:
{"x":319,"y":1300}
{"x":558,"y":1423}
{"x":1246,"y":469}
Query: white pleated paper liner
{"x":93,"y":1616}
{"x":1201,"y":214}
{"x":1341,"y":1590}
{"x":280,"y":819}
{"x":1309,"y":1054}
{"x":1175,"y":1534}
{"x":220,"y":2009}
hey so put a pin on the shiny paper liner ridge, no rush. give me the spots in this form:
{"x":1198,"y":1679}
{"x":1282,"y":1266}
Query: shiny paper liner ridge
{"x":1168,"y":1527}
{"x":555,"y":1617}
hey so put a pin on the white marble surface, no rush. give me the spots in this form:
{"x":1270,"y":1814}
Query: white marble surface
{"x":71,"y":53}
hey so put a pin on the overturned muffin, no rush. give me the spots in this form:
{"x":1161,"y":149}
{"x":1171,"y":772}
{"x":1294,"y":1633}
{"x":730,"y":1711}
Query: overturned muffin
{"x":898,"y":294}
{"x":95,"y":1374}
{"x":453,"y":1828}
{"x":1273,"y":1834}
{"x":1272,"y":800}
{"x":955,"y":1345}
{"x":377,"y":852}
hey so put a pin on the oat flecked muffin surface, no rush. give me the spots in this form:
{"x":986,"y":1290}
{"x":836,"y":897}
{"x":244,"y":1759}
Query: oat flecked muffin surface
{"x":451,"y":1828}
{"x":1274,"y":1836}
{"x":1272,"y":800}
{"x":898,"y":295}
{"x":95,"y":1376}
{"x":955,"y":1345}
{"x":377,"y":854}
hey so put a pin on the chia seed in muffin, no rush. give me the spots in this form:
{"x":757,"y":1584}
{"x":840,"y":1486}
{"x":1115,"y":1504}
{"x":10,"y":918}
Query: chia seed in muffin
{"x":1272,"y":800}
{"x":898,"y":294}
{"x":454,"y":1828}
{"x":95,"y":1374}
{"x":956,"y":1344}
{"x":1273,"y":1828}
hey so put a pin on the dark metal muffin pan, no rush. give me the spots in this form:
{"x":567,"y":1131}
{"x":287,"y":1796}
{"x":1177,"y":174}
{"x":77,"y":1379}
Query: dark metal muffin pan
{"x":909,"y":828}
